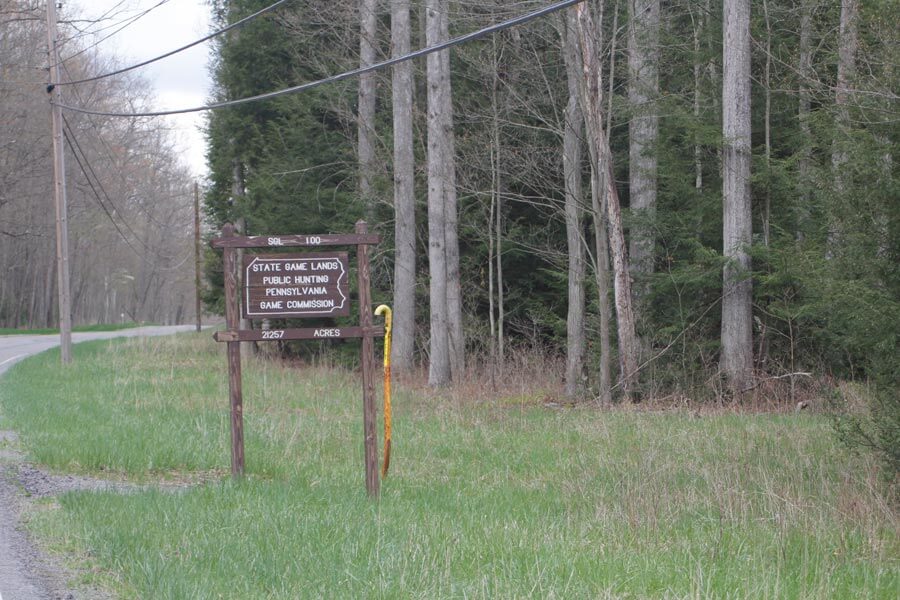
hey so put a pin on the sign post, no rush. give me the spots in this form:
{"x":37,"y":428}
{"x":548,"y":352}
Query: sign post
{"x":234,"y":357}
{"x":368,"y":364}
{"x":312,"y":284}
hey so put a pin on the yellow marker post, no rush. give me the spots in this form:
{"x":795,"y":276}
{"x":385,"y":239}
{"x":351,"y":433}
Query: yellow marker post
{"x":385,"y":310}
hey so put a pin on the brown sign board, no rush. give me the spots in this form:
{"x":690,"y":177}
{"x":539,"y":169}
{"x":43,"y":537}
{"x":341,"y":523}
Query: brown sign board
{"x":314,"y":284}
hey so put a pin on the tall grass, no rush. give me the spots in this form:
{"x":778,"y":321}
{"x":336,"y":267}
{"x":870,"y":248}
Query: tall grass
{"x":500,"y":499}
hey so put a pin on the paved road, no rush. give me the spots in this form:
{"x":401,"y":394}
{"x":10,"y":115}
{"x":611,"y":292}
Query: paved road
{"x":24,"y":573}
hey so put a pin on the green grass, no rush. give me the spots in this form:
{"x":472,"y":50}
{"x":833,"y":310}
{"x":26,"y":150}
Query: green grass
{"x":498,"y":500}
{"x":78,"y":328}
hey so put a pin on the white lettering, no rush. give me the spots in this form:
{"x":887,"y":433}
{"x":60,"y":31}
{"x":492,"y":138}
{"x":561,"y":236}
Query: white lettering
{"x":310,"y":304}
{"x":282,"y":291}
{"x":314,"y":291}
{"x":325,"y":265}
{"x":321,"y":333}
{"x":275,"y":241}
{"x":275,"y":280}
{"x":265,"y":267}
{"x":307,"y":279}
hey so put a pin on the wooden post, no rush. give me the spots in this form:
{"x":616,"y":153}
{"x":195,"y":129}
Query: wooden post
{"x":368,"y":365}
{"x":232,"y":317}
{"x":199,"y":305}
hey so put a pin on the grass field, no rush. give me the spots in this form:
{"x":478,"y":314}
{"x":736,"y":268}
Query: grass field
{"x":504,"y":499}
{"x":78,"y":328}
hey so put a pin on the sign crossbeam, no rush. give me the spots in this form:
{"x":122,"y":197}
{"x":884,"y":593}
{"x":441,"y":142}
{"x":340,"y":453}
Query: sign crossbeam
{"x":308,"y":333}
{"x":284,"y":241}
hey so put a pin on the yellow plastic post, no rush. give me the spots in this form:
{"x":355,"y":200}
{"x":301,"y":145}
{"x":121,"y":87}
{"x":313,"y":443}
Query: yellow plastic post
{"x":385,"y":310}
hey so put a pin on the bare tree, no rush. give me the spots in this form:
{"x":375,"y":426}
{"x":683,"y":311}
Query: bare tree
{"x":128,"y":215}
{"x":736,"y":360}
{"x":846,"y":73}
{"x":805,"y":72}
{"x":643,"y":130}
{"x":451,"y":212}
{"x":366,"y":104}
{"x":439,"y":369}
{"x":572,"y":176}
{"x":404,"y":192}
{"x":591,"y":94}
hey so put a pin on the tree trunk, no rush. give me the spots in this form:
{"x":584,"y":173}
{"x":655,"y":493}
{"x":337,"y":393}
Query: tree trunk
{"x":497,"y":208}
{"x":698,"y":69}
{"x":366,"y":106}
{"x":439,"y":370}
{"x":643,"y":131}
{"x":451,"y":217}
{"x":767,"y":120}
{"x":572,"y":171}
{"x":736,"y":360}
{"x":591,"y":94}
{"x":846,"y":73}
{"x":803,"y":113}
{"x":601,"y":271}
{"x":403,"y":342}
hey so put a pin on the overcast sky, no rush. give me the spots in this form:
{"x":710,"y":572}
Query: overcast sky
{"x":180,"y":81}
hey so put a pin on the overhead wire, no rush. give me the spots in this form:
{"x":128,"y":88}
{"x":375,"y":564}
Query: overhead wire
{"x":76,"y":148}
{"x":345,"y":75}
{"x":110,"y":154}
{"x":70,"y":136}
{"x":181,"y":49}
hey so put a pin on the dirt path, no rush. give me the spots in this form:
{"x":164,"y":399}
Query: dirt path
{"x":25,"y":572}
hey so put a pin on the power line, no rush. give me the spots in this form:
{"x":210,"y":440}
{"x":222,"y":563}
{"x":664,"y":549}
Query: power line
{"x":469,"y":37}
{"x":128,"y":23}
{"x":70,"y":137}
{"x":181,"y":49}
{"x":76,"y":148}
{"x":67,"y":133}
{"x":110,"y":154}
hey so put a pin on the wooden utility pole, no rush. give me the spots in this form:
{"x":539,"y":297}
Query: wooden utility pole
{"x":199,"y":306}
{"x":59,"y":176}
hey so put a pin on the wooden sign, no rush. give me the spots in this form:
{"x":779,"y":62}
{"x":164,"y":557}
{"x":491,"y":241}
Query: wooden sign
{"x":296,"y":285}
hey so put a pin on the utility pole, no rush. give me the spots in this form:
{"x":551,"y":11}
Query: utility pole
{"x":197,"y":251}
{"x":59,"y":176}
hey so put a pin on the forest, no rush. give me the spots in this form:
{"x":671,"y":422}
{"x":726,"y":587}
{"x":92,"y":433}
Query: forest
{"x":129,"y":196}
{"x":674,"y":199}
{"x":689,"y":201}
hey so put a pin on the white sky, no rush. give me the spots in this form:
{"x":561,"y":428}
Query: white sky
{"x":181,"y":80}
